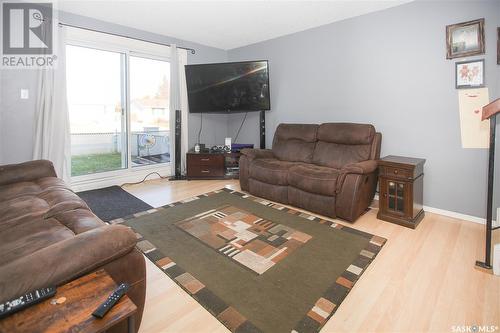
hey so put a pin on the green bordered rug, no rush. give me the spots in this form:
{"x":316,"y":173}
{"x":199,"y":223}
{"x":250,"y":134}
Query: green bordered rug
{"x":255,"y":265}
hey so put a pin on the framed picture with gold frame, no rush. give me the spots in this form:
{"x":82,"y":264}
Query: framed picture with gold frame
{"x":465,"y":39}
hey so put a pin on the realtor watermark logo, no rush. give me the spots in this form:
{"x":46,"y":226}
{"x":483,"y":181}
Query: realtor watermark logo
{"x":27,"y":35}
{"x":474,"y":328}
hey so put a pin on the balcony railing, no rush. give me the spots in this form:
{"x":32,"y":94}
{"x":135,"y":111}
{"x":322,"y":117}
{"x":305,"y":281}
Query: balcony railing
{"x":106,"y":151}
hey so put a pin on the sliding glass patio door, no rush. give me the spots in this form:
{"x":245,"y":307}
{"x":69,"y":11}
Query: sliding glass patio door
{"x":119,"y":111}
{"x":96,"y":102}
{"x":149,"y":111}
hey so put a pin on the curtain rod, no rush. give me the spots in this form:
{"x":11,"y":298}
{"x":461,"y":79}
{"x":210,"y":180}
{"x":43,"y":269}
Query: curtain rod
{"x":193,"y":51}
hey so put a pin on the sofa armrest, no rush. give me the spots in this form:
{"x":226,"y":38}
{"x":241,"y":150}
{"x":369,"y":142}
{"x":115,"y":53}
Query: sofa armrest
{"x":66,"y":260}
{"x":361,"y":168}
{"x":355,"y":195}
{"x":27,"y":171}
{"x":253,"y":154}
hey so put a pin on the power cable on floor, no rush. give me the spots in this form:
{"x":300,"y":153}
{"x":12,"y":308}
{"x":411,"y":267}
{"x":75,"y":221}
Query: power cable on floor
{"x":142,"y":181}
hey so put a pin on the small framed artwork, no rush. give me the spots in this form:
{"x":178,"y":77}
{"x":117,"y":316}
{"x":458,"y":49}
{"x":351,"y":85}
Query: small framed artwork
{"x":465,"y":39}
{"x":469,"y":74}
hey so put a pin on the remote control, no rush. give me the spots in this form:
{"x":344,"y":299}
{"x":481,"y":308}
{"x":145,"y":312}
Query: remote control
{"x":24,"y":301}
{"x":111,"y":301}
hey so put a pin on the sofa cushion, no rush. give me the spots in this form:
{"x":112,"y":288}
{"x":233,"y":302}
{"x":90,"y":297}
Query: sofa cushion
{"x":346,"y":133}
{"x":295,"y":142}
{"x":340,"y":144}
{"x":41,"y":202}
{"x":79,"y":220}
{"x":313,"y":179}
{"x":277,"y":193}
{"x":13,"y":190}
{"x":18,"y":208}
{"x":337,"y":156}
{"x":28,"y":235}
{"x":27,"y":171}
{"x":271,"y":171}
{"x":322,"y":204}
{"x":39,"y":213}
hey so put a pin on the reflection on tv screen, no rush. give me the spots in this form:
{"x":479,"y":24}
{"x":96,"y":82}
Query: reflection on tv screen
{"x":228,"y":87}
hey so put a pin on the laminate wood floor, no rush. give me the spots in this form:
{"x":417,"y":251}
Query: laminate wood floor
{"x":423,"y":280}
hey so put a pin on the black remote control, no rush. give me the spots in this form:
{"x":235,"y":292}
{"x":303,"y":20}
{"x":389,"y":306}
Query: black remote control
{"x":24,"y":301}
{"x":111,"y":301}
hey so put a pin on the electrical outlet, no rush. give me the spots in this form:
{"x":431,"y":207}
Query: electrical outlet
{"x":25,"y":94}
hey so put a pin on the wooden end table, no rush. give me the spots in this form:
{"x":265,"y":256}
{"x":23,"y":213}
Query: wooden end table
{"x":212,"y":165}
{"x":401,"y":187}
{"x":83,"y":296}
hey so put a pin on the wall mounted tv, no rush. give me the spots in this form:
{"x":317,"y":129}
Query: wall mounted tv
{"x":228,"y":87}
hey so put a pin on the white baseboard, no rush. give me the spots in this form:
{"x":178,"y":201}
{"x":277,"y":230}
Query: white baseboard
{"x":136,"y":176}
{"x":455,"y":215}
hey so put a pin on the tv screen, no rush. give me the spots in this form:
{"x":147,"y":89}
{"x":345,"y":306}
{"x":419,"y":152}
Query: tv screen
{"x":228,"y":87}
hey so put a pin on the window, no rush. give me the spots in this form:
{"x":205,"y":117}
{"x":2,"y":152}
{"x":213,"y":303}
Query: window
{"x":119,"y":113}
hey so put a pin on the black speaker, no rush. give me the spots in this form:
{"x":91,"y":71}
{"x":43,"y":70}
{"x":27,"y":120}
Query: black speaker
{"x":177,"y":145}
{"x":262,"y":129}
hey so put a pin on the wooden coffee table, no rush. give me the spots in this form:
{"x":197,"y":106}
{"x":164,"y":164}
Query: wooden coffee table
{"x":83,"y":296}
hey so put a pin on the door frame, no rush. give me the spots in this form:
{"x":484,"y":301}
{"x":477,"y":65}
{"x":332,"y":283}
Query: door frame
{"x":127,"y":47}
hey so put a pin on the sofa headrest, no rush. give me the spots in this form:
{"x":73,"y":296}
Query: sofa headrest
{"x":346,"y":133}
{"x":303,"y":132}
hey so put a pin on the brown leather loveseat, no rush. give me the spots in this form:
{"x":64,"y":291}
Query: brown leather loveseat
{"x":330,"y":169}
{"x":49,"y":236}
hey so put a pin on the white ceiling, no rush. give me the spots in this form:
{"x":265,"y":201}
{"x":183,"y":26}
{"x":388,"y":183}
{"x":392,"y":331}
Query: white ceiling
{"x":224,"y":24}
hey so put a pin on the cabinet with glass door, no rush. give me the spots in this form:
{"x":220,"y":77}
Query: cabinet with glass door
{"x":401,"y":190}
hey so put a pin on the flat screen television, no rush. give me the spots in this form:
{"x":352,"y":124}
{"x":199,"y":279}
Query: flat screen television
{"x":228,"y":87}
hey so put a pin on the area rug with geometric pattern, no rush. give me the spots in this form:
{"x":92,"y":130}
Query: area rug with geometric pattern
{"x":256,"y":266}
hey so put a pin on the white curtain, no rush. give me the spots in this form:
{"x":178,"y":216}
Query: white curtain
{"x":52,"y":139}
{"x":178,"y":100}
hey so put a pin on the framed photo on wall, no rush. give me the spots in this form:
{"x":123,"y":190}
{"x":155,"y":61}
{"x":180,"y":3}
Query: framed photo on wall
{"x":469,"y":74}
{"x":465,"y":39}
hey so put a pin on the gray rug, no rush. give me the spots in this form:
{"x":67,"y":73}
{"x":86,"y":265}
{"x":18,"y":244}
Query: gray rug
{"x":113,"y":202}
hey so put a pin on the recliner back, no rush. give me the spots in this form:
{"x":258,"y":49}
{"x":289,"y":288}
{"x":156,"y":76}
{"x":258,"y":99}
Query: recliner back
{"x":340,"y":144}
{"x":332,"y":145}
{"x":295,"y":142}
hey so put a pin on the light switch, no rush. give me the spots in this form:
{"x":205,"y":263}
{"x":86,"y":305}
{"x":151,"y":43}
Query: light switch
{"x":25,"y":94}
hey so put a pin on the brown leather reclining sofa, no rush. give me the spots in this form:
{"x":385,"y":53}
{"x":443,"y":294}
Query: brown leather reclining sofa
{"x":330,"y":169}
{"x":49,"y":236}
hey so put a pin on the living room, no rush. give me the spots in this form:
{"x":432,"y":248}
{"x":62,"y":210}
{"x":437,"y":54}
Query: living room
{"x":249,"y":166}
